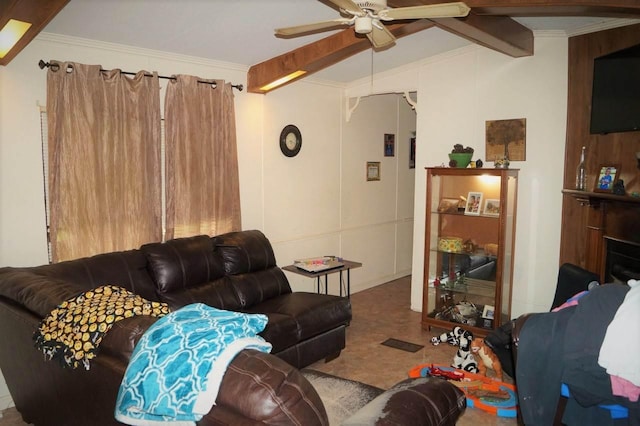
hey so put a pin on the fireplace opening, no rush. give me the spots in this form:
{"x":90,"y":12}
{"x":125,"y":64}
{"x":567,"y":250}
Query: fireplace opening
{"x":622,"y":261}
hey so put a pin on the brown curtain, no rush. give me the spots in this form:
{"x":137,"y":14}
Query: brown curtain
{"x":104,"y":160}
{"x":202,"y":188}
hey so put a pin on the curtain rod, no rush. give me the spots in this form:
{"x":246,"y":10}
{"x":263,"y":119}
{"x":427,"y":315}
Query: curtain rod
{"x":42,"y":64}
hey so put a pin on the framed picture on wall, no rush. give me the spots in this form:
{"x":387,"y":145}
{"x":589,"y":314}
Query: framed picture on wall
{"x":373,"y":170}
{"x":412,"y":153}
{"x":389,"y":145}
{"x":608,"y":175}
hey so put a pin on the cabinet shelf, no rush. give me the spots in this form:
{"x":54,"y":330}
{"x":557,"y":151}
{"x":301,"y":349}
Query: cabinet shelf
{"x":474,"y":217}
{"x":469,"y":288}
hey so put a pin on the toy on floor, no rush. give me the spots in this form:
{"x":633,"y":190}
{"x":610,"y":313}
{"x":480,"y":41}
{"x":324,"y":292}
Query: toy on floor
{"x":487,"y":358}
{"x":484,"y":393}
{"x":461,"y":338}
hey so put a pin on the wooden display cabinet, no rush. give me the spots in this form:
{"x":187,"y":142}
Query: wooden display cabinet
{"x":469,"y":251}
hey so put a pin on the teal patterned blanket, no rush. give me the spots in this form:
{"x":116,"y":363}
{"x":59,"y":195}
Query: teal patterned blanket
{"x":176,"y":368}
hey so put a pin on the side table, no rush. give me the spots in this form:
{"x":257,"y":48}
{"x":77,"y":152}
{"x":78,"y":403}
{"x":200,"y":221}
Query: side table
{"x":346,"y":285}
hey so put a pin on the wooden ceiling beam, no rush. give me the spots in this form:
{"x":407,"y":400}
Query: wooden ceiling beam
{"x":517,"y":8}
{"x":37,"y":12}
{"x":489,"y":24}
{"x":321,"y":54}
{"x":499,"y":33}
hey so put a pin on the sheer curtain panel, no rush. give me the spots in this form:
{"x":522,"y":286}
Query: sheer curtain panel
{"x":104,"y":160}
{"x":202,"y":184}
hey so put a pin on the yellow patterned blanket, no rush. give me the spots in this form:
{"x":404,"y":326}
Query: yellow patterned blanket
{"x":72,"y":332}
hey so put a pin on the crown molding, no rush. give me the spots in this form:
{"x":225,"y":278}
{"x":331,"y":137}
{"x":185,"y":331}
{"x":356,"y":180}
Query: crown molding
{"x":602,"y":26}
{"x":158,"y":54}
{"x":138,"y":51}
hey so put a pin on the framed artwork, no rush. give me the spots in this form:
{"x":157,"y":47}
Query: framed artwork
{"x":389,"y":145}
{"x":608,"y":175}
{"x":412,"y":153}
{"x":488,"y":312}
{"x":373,"y":170}
{"x":492,"y":207}
{"x":474,"y":201}
{"x":506,"y":138}
{"x":448,"y":205}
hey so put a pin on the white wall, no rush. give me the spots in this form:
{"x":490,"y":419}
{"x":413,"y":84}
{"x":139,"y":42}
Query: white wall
{"x":297,"y":202}
{"x":457,"y":93}
{"x":328,"y":207}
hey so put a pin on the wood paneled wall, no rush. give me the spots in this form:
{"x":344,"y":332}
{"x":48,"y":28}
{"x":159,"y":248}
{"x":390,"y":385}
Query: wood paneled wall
{"x":585,"y":221}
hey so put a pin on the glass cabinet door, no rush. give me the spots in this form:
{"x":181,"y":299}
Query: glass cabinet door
{"x":469,"y":242}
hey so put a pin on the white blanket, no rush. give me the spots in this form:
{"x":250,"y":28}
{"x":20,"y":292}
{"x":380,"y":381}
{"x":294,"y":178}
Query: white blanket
{"x":621,"y":344}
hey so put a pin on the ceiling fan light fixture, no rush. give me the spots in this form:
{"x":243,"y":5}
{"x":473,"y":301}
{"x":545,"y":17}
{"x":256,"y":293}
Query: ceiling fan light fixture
{"x":10,"y":34}
{"x":363,"y":25}
{"x":279,"y":82}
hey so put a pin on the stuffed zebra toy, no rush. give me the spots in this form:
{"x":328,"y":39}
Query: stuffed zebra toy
{"x":461,"y":338}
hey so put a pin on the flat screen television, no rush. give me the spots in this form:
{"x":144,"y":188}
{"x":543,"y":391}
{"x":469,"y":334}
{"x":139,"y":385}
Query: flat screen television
{"x":615,"y":100}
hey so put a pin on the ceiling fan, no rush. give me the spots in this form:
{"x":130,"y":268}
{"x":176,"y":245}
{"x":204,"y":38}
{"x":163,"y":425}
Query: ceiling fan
{"x":368,"y":17}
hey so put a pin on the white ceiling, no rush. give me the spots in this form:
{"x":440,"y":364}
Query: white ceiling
{"x":241,"y":31}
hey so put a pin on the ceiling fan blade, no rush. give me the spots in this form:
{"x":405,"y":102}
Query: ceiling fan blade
{"x":381,"y":37}
{"x":433,"y":11}
{"x":349,"y":6}
{"x":323,"y":25}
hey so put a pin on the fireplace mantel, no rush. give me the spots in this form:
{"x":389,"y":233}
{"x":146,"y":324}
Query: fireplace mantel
{"x":604,"y":215}
{"x":595,"y":198}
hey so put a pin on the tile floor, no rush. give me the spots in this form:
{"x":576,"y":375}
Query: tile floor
{"x":384,"y":312}
{"x":378,"y":314}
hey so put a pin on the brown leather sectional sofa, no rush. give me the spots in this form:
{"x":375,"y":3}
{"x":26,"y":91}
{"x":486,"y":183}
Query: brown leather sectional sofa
{"x":235,"y":271}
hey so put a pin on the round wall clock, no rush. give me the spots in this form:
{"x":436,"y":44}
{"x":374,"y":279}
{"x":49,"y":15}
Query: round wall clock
{"x":290,"y":140}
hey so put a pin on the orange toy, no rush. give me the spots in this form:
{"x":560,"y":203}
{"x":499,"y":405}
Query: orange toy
{"x":484,"y":393}
{"x":487,"y":359}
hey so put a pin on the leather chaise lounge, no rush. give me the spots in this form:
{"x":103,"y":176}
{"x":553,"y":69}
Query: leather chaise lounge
{"x":235,"y":271}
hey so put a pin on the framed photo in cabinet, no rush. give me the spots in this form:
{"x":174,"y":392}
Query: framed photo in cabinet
{"x":474,"y":201}
{"x":491,"y":207}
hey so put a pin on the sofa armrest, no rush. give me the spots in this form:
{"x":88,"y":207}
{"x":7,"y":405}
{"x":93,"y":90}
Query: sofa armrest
{"x":422,"y":401}
{"x":263,"y":388}
{"x":37,"y":293}
{"x":120,"y":341}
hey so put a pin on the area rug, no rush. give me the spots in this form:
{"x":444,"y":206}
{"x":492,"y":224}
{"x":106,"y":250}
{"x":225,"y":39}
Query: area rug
{"x":402,"y":345}
{"x":341,"y":397}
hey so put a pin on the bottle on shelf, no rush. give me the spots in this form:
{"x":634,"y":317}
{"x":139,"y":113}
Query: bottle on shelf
{"x":581,"y":173}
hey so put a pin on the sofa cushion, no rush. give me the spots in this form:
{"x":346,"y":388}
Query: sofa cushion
{"x":255,"y":287}
{"x":245,"y":251}
{"x":182,"y":263}
{"x":313,"y":313}
{"x":281,"y":331}
{"x":126,"y":269}
{"x":218,"y":293}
